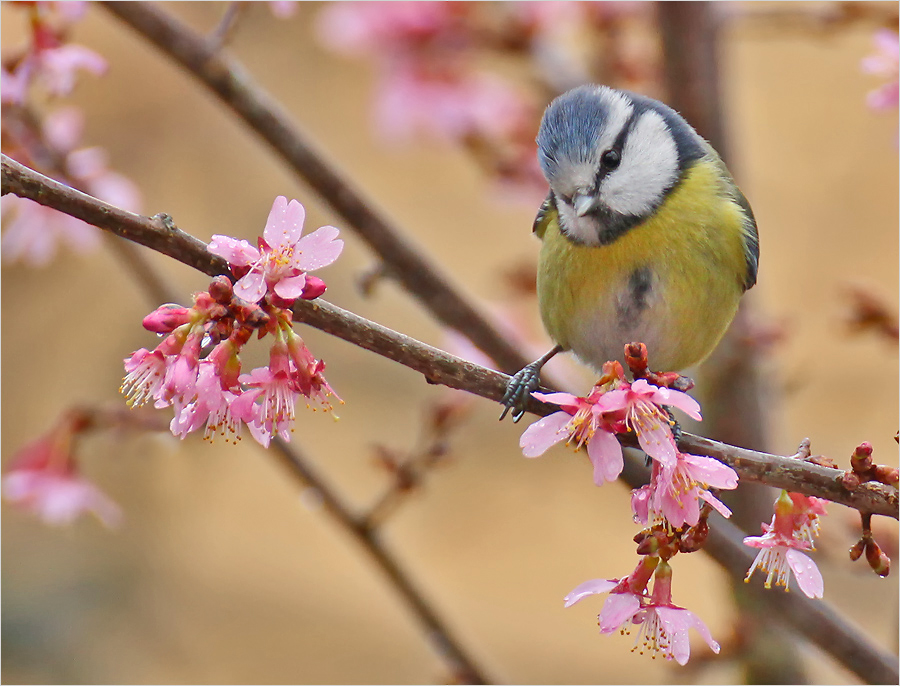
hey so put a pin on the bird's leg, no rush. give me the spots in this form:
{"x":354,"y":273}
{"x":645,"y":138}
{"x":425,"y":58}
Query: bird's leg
{"x":523,"y":382}
{"x":676,"y":427}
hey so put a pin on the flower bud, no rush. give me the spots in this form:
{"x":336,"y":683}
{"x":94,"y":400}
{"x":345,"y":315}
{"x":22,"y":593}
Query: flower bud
{"x":221,"y":290}
{"x":857,"y":550}
{"x":878,"y":561}
{"x":167,"y":318}
{"x":861,"y":460}
{"x":314,"y":287}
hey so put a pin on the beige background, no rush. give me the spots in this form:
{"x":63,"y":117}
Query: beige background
{"x":222,"y":574}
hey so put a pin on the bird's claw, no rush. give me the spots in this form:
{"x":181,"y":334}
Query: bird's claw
{"x":519,"y":390}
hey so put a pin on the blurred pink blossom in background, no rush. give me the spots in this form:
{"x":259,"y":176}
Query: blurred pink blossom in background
{"x":32,"y":233}
{"x":43,"y":478}
{"x":884,"y":63}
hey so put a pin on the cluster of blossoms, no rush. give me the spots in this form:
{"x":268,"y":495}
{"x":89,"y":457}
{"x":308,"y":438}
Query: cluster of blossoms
{"x":432,"y":80}
{"x":50,"y":143}
{"x":197,"y":367}
{"x":794,"y":528}
{"x":673,"y":507}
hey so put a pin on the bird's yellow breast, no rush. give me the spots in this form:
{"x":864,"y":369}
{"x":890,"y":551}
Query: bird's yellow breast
{"x":672,"y":282}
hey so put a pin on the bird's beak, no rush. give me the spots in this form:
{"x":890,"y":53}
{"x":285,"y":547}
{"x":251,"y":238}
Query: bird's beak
{"x":584,"y":203}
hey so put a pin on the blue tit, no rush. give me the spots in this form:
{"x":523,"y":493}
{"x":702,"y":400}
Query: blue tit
{"x":645,"y":236}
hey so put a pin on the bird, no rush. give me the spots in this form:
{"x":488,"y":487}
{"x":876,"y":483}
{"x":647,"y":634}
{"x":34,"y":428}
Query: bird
{"x":645,"y":235}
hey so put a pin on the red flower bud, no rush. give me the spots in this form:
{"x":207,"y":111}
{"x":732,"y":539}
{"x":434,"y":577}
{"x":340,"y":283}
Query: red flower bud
{"x":314,"y":287}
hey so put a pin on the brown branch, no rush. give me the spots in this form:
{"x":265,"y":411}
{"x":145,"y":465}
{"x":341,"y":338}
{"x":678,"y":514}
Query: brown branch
{"x":226,"y":78}
{"x":437,"y":366}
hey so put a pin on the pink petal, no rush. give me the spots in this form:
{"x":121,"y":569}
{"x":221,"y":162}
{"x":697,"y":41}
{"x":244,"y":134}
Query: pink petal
{"x":682,"y":401}
{"x":63,"y":128}
{"x":640,"y":504}
{"x":260,"y":434}
{"x":709,"y":471}
{"x":285,"y":222}
{"x":717,"y":504}
{"x":680,"y":509}
{"x":564,"y":400}
{"x":658,"y":443}
{"x":613,"y":401}
{"x":318,"y":249}
{"x":538,"y":437}
{"x":618,"y":609}
{"x":290,"y":288}
{"x":590,"y":588}
{"x":759,"y":541}
{"x":605,"y":454}
{"x":677,"y":621}
{"x":237,"y":253}
{"x":251,"y":287}
{"x":809,"y":578}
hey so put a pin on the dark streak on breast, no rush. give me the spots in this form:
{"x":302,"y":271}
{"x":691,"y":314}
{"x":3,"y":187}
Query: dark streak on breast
{"x":636,"y":298}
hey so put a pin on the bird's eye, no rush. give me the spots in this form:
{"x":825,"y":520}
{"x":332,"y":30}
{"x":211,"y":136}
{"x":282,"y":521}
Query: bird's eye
{"x":610,"y":159}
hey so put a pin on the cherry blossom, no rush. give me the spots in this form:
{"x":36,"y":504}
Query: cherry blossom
{"x":580,"y":423}
{"x":675,"y":491}
{"x":280,"y":263}
{"x":641,"y":402}
{"x":782,"y":545}
{"x":43,"y":479}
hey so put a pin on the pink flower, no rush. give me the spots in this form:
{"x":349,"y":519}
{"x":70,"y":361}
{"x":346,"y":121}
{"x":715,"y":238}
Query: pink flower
{"x":675,"y":491}
{"x":884,"y":63}
{"x":664,"y":629}
{"x":275,"y":413}
{"x":781,"y":545}
{"x":14,"y":84}
{"x":662,"y":625}
{"x":145,"y":374}
{"x":212,"y":406}
{"x":619,"y":608}
{"x":33,"y":235}
{"x":43,"y":479}
{"x":641,"y":404}
{"x":57,"y":67}
{"x":283,"y":258}
{"x":581,"y":423}
{"x":384,"y":28}
{"x":448,"y":104}
{"x":35,"y":232}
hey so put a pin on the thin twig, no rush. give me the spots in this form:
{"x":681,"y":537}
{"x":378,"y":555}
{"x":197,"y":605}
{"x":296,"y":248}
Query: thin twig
{"x":227,"y":79}
{"x":464,"y":669}
{"x":225,"y":30}
{"x":437,"y":366}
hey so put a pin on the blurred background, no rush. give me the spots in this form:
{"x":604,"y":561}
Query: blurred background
{"x":224,"y":569}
